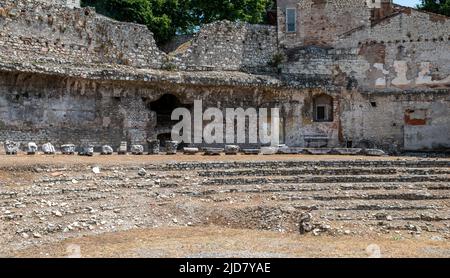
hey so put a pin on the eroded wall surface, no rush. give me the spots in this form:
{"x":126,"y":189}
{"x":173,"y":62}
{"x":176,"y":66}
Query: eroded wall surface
{"x":34,"y":32}
{"x":229,"y":46}
{"x":408,"y":50}
{"x":320,"y":22}
{"x":67,"y":3}
{"x":62,"y":110}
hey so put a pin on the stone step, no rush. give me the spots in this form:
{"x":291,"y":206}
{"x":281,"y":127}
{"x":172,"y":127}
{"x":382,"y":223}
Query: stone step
{"x":345,"y":196}
{"x":327,"y":179}
{"x":189,"y":166}
{"x":379,"y":195}
{"x":279,"y":188}
{"x":323,"y":171}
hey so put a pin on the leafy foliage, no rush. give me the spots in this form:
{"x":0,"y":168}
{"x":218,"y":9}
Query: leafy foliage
{"x":436,"y":6}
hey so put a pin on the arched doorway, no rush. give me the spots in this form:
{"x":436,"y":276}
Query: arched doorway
{"x":164,"y":107}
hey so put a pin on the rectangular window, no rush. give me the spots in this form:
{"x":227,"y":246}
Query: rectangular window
{"x":291,"y":20}
{"x":321,"y":113}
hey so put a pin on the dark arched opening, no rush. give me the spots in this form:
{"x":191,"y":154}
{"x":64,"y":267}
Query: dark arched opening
{"x":164,"y":107}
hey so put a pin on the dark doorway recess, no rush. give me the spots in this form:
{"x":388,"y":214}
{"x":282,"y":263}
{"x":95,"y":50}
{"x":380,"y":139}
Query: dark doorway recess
{"x":164,"y":107}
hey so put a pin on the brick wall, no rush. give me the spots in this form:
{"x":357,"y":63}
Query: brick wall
{"x":319,"y":22}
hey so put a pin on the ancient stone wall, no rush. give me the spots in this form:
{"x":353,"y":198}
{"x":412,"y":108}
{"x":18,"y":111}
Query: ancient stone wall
{"x":409,"y":49}
{"x":34,"y":32}
{"x":395,"y":54}
{"x":319,"y":22}
{"x":67,"y":3}
{"x":41,"y":108}
{"x":397,"y":121}
{"x":229,"y":46}
{"x":71,"y":76}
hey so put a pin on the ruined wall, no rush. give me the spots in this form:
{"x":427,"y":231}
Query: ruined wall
{"x":408,"y":50}
{"x":41,"y":108}
{"x":319,"y":22}
{"x":67,"y":3}
{"x":33,"y":32}
{"x":397,"y":121}
{"x":388,"y":82}
{"x":339,"y":65}
{"x":229,"y":46}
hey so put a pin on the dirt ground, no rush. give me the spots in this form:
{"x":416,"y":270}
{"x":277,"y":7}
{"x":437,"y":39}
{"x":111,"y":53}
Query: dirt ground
{"x":25,"y":160}
{"x":212,"y":241}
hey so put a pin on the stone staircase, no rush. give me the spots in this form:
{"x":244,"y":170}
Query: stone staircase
{"x":382,"y":195}
{"x":353,"y":192}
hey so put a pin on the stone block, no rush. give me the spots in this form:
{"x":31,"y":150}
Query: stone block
{"x":107,"y":150}
{"x":68,"y":149}
{"x":374,"y":152}
{"x":11,"y":147}
{"x":48,"y":148}
{"x":32,"y":148}
{"x":321,"y":151}
{"x":251,"y":151}
{"x":123,"y":148}
{"x":137,"y":149}
{"x":153,"y":146}
{"x":232,"y":149}
{"x":213,"y":151}
{"x":87,"y":150}
{"x":171,"y":147}
{"x":269,"y":150}
{"x":347,"y":151}
{"x":190,"y":151}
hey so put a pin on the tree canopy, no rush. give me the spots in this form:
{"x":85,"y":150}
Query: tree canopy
{"x":436,"y":6}
{"x":167,"y":18}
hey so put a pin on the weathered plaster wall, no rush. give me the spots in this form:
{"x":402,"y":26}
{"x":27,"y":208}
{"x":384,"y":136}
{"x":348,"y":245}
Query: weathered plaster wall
{"x":229,"y":46}
{"x":384,"y":120}
{"x":34,"y":32}
{"x":408,"y":50}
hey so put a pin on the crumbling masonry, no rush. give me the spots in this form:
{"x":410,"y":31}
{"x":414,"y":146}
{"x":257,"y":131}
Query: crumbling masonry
{"x":350,"y":73}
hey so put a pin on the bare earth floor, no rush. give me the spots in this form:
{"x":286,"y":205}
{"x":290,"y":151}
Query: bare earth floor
{"x":224,"y":206}
{"x":212,"y":241}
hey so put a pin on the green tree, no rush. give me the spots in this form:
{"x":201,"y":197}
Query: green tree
{"x":436,"y":6}
{"x":167,"y":18}
{"x":162,"y":17}
{"x":206,"y":11}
